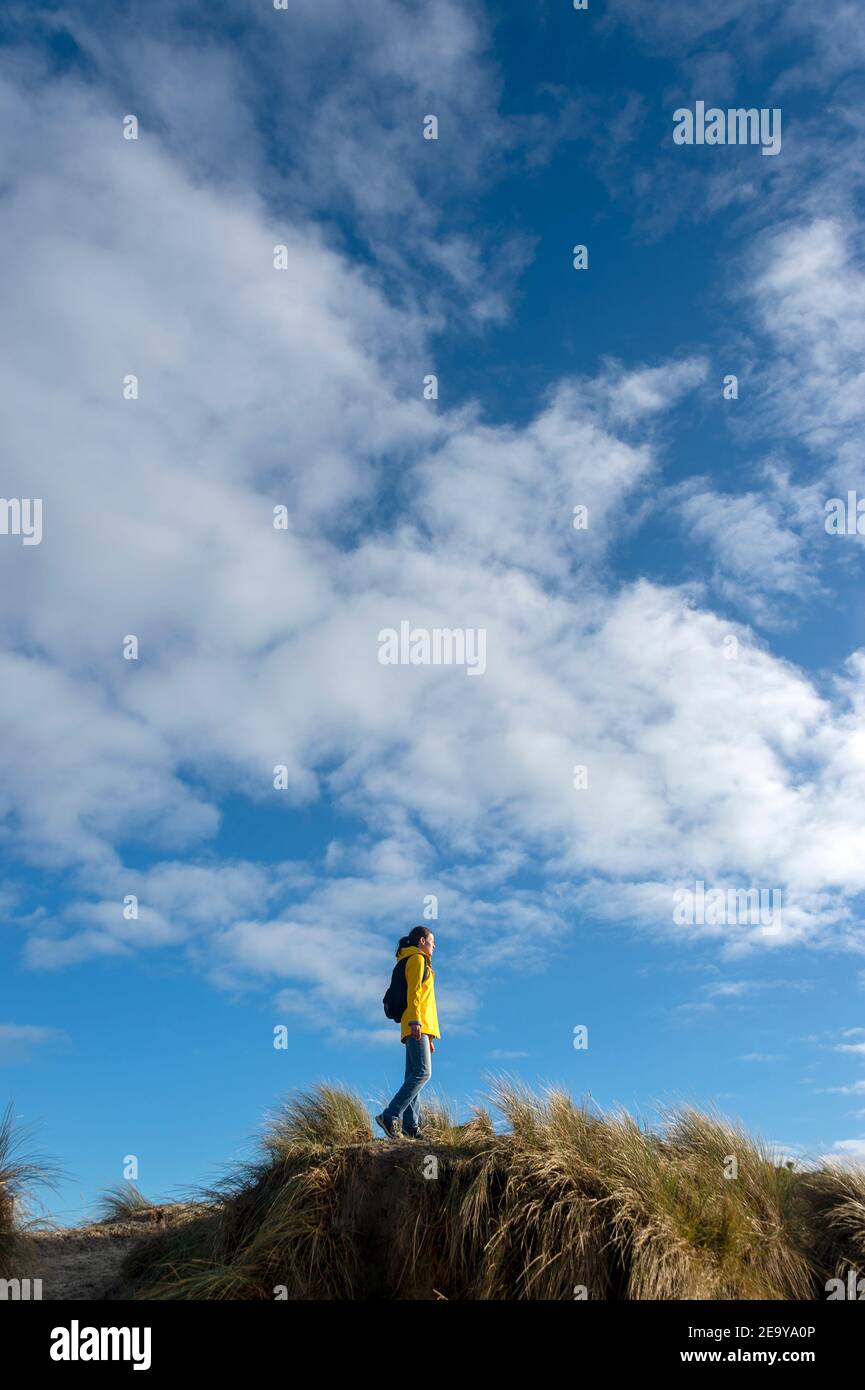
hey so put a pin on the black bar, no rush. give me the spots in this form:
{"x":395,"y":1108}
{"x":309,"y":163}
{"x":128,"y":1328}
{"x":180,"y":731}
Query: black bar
{"x":253,"y":1338}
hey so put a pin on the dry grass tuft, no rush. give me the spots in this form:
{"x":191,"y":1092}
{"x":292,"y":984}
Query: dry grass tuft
{"x":21,"y":1170}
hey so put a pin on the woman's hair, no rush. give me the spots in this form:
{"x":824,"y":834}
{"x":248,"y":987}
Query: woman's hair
{"x":414,"y":938}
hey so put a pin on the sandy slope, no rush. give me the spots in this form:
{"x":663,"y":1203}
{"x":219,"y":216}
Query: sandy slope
{"x":83,"y":1262}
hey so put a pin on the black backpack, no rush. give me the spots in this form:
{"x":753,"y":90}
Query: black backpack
{"x":396,"y":995}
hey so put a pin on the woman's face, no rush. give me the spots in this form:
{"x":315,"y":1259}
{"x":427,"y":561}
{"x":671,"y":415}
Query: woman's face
{"x":427,"y":944}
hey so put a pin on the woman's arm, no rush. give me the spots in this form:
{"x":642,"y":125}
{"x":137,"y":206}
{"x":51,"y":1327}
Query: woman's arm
{"x":414,"y":979}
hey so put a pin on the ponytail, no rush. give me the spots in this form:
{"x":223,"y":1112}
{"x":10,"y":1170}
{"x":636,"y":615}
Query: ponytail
{"x":414,"y":938}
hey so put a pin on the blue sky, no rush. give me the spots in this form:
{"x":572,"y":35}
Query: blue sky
{"x":699,"y":648}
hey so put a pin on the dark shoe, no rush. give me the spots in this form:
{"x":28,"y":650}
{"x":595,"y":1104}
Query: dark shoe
{"x":414,"y":1134}
{"x":390,"y":1127}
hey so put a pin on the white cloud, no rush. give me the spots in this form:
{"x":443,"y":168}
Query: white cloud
{"x":248,"y":113}
{"x":809,"y":294}
{"x":828,"y":37}
{"x":760,"y":559}
{"x":18,"y":1041}
{"x":774,"y":51}
{"x":259,"y":647}
{"x":846,"y":1152}
{"x":736,"y":989}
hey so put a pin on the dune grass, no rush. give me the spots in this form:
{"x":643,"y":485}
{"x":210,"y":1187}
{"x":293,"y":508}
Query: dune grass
{"x":21,"y":1171}
{"x":549,"y":1200}
{"x":123,"y":1202}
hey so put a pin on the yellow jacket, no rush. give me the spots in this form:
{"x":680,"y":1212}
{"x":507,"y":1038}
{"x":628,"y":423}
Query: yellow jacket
{"x":421,"y":1007}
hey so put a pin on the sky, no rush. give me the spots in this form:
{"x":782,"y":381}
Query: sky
{"x":284,"y":375}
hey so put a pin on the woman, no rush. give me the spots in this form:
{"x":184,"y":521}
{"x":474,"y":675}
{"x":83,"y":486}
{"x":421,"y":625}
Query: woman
{"x":419,"y":1025}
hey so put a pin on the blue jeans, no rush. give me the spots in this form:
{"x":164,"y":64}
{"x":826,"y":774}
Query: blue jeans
{"x":418,"y":1070}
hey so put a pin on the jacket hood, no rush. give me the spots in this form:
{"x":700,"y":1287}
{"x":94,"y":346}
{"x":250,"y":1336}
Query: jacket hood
{"x":406,"y":951}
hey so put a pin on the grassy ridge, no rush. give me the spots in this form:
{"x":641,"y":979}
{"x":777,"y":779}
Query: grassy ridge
{"x":561,"y":1199}
{"x":20,"y":1172}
